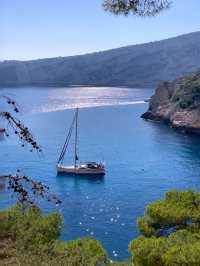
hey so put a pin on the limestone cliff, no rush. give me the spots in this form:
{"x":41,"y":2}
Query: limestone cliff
{"x":177,"y":103}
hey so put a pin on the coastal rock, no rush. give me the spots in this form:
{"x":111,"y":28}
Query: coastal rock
{"x":177,"y":103}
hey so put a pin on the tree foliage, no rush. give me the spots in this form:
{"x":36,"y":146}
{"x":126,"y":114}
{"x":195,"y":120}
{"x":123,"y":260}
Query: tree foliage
{"x":171,"y":232}
{"x":29,"y":228}
{"x":13,"y":123}
{"x":31,"y":238}
{"x":137,"y":7}
{"x":28,"y":190}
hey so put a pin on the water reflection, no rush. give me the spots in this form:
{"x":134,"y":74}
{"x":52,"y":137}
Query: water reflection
{"x":55,"y":99}
{"x":81,"y":178}
{"x":187,"y":146}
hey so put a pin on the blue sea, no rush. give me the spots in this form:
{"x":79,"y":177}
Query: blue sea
{"x":143,"y":159}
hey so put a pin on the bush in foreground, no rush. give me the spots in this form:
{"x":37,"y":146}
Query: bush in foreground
{"x":170,"y":236}
{"x":171,"y":232}
{"x":30,"y":238}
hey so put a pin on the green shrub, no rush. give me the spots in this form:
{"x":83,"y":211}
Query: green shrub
{"x":187,"y":95}
{"x":30,"y":228}
{"x":85,"y":252}
{"x":180,"y":248}
{"x":148,"y":251}
{"x":145,"y":226}
{"x":32,"y":239}
{"x":171,"y":229}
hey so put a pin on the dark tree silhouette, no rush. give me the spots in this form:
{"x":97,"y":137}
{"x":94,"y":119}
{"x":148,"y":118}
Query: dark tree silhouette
{"x":26,"y":190}
{"x":18,"y":128}
{"x":140,"y":8}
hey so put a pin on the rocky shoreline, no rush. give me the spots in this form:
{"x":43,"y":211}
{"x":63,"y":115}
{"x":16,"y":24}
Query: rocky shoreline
{"x":177,"y":103}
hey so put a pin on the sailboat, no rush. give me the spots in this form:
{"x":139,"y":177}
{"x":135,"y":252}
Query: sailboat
{"x":87,"y":168}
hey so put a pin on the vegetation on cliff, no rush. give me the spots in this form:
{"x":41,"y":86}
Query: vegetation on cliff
{"x":188,"y":93}
{"x":178,"y":103}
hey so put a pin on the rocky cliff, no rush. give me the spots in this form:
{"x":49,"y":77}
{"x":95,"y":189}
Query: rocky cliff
{"x":177,"y":103}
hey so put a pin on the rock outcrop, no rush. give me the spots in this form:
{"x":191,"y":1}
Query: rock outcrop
{"x":177,"y":103}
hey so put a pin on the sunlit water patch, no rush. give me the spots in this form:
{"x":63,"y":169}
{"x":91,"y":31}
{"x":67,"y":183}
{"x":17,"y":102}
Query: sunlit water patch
{"x":57,"y":99}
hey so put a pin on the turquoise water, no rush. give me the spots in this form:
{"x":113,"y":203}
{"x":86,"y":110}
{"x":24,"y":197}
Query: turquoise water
{"x":143,"y":159}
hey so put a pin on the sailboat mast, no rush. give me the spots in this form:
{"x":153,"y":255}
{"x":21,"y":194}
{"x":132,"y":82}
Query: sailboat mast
{"x":76,"y":136}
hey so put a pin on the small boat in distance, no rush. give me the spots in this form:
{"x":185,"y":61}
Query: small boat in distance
{"x":87,"y":168}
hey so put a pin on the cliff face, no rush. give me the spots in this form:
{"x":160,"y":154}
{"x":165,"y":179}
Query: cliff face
{"x":177,"y":103}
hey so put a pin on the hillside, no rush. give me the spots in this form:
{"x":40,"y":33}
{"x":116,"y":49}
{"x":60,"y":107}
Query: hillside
{"x":134,"y":66}
{"x":177,"y":103}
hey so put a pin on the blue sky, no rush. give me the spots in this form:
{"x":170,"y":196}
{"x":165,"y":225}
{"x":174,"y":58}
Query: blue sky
{"x":32,"y":29}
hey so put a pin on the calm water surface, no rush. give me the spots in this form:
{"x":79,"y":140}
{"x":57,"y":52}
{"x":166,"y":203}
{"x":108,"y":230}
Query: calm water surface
{"x":143,"y":159}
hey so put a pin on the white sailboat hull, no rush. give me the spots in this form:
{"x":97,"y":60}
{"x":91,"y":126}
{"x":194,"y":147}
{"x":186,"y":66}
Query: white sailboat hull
{"x":80,"y":170}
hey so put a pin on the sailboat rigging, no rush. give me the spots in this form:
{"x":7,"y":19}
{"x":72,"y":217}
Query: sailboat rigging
{"x":88,"y":168}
